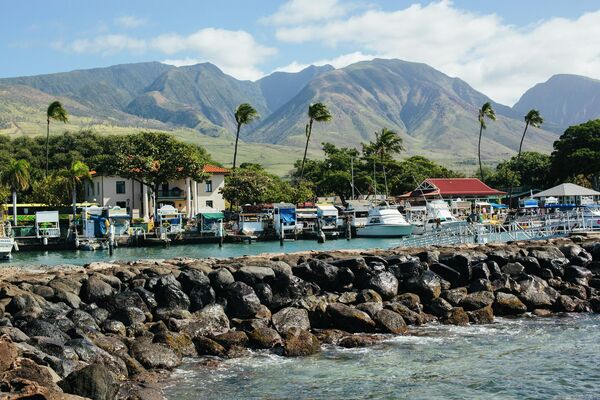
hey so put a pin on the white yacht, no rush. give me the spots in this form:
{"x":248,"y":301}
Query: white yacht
{"x":385,"y":221}
{"x":436,"y":215}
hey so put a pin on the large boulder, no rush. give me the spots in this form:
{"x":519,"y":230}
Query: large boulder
{"x":252,"y":275}
{"x":171,"y":297}
{"x":211,"y":320}
{"x":483,"y":315}
{"x":536,"y":293}
{"x":389,"y":321}
{"x":40,"y":327}
{"x":300,"y":342}
{"x":220,"y":279}
{"x":447,"y":273}
{"x":477,"y":300}
{"x":287,"y":289}
{"x":349,"y":319}
{"x":457,"y":316}
{"x":290,"y":317}
{"x":154,"y":355}
{"x":94,"y":381}
{"x":508,"y":304}
{"x":384,"y":283}
{"x":8,"y":354}
{"x":95,"y":290}
{"x":513,"y":269}
{"x":208,"y":347}
{"x":264,"y":338}
{"x":439,"y":307}
{"x":407,"y":269}
{"x":127,"y":298}
{"x":428,"y":285}
{"x":242,"y":301}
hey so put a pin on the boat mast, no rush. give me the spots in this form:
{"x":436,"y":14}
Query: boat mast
{"x":375,"y":178}
{"x":352,"y":172}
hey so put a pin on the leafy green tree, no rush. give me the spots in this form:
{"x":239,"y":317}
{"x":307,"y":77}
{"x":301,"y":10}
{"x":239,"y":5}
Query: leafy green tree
{"x":408,"y":173}
{"x":534,"y":119}
{"x":386,"y":144}
{"x":486,"y":111}
{"x":530,"y":171}
{"x":50,"y":190}
{"x":577,"y":153}
{"x":154,"y":158}
{"x":316,"y":112}
{"x":247,"y":186}
{"x":244,"y":114}
{"x":16,"y":177}
{"x":76,"y":175}
{"x":56,"y":112}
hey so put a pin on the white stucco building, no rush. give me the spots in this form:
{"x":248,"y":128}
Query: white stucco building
{"x":186,"y":195}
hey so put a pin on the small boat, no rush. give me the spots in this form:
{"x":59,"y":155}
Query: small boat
{"x":436,"y":215}
{"x":385,"y":222}
{"x":6,"y":246}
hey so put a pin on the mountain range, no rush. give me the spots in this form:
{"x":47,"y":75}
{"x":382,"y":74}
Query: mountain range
{"x":435,"y":114}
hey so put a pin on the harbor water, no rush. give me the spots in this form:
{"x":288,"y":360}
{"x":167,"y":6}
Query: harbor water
{"x":525,"y":358}
{"x":79,"y":257}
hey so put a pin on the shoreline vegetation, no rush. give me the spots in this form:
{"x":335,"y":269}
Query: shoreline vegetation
{"x":114,"y":330}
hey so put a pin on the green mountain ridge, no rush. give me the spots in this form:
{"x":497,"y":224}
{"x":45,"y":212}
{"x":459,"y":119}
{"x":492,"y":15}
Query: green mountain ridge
{"x":436,"y":114}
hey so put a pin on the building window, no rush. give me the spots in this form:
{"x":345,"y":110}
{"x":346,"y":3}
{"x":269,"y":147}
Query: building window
{"x":120,"y":187}
{"x":208,"y":186}
{"x":209,"y":203}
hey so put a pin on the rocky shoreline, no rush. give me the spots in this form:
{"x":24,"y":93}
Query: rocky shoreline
{"x":113,"y":330}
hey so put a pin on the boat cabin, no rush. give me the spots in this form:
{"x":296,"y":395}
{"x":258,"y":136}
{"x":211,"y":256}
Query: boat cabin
{"x":307,"y":219}
{"x":284,"y":220}
{"x":170,"y":220}
{"x":327,"y":215}
{"x":209,"y":222}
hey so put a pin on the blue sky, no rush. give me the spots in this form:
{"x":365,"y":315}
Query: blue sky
{"x":500,"y":47}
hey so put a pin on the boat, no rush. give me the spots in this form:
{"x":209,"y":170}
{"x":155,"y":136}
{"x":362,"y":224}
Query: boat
{"x":7,"y":241}
{"x":435,"y":215}
{"x":385,"y":222}
{"x":327,"y":216}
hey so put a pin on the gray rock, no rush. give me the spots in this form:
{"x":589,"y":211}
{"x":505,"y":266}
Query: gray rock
{"x":253,"y":275}
{"x":94,"y":381}
{"x":370,"y":308}
{"x":211,"y":320}
{"x":447,"y":273}
{"x":242,"y":301}
{"x":384,"y":283}
{"x":349,"y":319}
{"x":220,"y":279}
{"x":95,"y":290}
{"x":427,"y":286}
{"x":170,"y":296}
{"x":290,"y":317}
{"x":265,"y":338}
{"x":513,"y":269}
{"x":440,"y":307}
{"x":154,"y":355}
{"x":477,"y":300}
{"x":390,"y":321}
{"x":299,"y":342}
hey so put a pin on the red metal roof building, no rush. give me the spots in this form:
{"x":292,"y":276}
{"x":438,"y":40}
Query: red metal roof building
{"x":213,"y":169}
{"x":453,"y":189}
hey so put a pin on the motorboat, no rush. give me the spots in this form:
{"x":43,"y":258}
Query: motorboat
{"x":436,"y":215}
{"x":385,"y":222}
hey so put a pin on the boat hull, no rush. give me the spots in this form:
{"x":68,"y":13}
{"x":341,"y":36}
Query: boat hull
{"x":6,"y":247}
{"x":385,"y":231}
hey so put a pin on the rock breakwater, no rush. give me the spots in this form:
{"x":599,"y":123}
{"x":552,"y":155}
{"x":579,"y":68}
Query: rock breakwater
{"x":110,"y":330}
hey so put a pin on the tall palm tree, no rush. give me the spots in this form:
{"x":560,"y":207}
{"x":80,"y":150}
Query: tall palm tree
{"x":244,"y":114}
{"x":316,"y":112}
{"x":58,"y":113}
{"x":16,"y":177}
{"x":78,"y":173}
{"x":386,"y":143}
{"x":486,"y":111}
{"x":534,"y":119}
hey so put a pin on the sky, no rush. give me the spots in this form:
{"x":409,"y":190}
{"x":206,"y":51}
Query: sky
{"x":500,"y":47}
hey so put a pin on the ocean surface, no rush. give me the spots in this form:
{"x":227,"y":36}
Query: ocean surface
{"x":524,"y":358}
{"x":191,"y":250}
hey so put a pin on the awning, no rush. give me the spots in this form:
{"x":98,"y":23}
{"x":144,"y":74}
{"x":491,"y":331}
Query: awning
{"x":288,"y":215}
{"x":211,"y":215}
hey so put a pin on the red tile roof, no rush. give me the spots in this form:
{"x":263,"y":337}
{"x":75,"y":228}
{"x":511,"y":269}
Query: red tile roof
{"x":457,"y":187}
{"x":213,"y":169}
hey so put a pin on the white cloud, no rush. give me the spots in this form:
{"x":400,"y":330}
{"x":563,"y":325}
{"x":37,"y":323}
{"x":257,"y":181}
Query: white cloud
{"x":104,"y":44}
{"x":129,"y":22}
{"x":235,"y":52}
{"x":337,"y":62}
{"x":302,"y":11}
{"x":499,"y":59}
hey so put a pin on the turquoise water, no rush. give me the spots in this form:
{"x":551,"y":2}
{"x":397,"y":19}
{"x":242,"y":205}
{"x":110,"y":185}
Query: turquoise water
{"x":192,"y":250}
{"x":527,"y":358}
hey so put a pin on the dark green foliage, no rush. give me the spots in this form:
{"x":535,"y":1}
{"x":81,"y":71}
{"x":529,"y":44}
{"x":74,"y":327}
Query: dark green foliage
{"x":577,"y":152}
{"x":533,"y":173}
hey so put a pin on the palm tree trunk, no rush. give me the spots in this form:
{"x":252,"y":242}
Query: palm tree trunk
{"x":237,"y":137}
{"x":74,"y":199}
{"x":14,"y":205}
{"x":517,"y":166}
{"x":479,"y":152}
{"x":47,"y":145}
{"x":309,"y":131}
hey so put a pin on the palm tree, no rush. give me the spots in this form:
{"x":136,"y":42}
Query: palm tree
{"x":534,"y":119}
{"x":78,"y":173}
{"x":56,"y":112}
{"x":386,"y":143}
{"x":486,"y":111}
{"x":16,"y":177}
{"x":316,"y":112}
{"x":244,"y":114}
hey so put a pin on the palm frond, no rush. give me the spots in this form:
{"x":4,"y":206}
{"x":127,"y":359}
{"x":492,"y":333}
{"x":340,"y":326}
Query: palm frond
{"x":245,"y":114}
{"x":57,"y":112}
{"x":319,"y":112}
{"x":534,"y":118}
